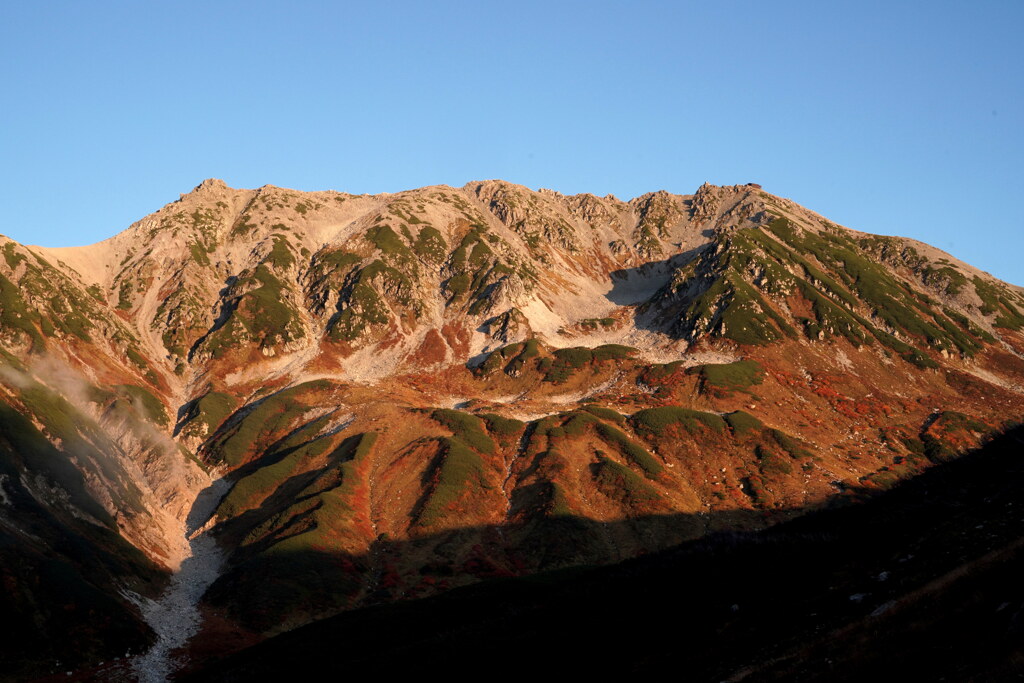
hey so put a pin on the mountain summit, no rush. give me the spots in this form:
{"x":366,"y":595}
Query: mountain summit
{"x":319,"y":401}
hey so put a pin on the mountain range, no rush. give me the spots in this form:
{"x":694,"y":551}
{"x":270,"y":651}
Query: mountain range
{"x":255,"y":413}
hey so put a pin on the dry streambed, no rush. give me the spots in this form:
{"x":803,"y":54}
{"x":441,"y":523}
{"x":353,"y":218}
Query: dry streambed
{"x":175,"y":615}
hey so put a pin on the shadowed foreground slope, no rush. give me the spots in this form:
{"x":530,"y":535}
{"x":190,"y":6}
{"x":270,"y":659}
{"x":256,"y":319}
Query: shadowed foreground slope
{"x":918,"y":583}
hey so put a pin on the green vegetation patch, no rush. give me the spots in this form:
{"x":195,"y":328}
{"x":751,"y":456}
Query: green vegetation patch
{"x":965,"y":343}
{"x":793,"y":446}
{"x":388,"y":242}
{"x":968,"y":325}
{"x":281,"y":256}
{"x":907,"y":352}
{"x":949,"y":435}
{"x":59,"y":418}
{"x":473,"y":268}
{"x":577,"y":424}
{"x":996,"y":300}
{"x":210,"y":410}
{"x":771,"y":463}
{"x":741,"y":422}
{"x":288,"y":456}
{"x":890,"y":300}
{"x":605,"y":413}
{"x":948,"y":279}
{"x":242,"y":226}
{"x":467,"y":428}
{"x":334,"y":261}
{"x":68,"y":313}
{"x":12,"y":256}
{"x":831,"y":319}
{"x":353,"y":451}
{"x":505,"y":428}
{"x":566,"y":362}
{"x":656,"y":421}
{"x":459,"y":470}
{"x":291,"y":539}
{"x":333,"y":489}
{"x":263,"y":312}
{"x":269,"y":312}
{"x":15,"y":315}
{"x":736,"y":310}
{"x":558,"y":502}
{"x":182,"y":310}
{"x":145,"y":403}
{"x":952,"y":420}
{"x":363,"y":304}
{"x":57,"y":304}
{"x":738,"y":375}
{"x":634,"y":452}
{"x":77,"y":434}
{"x":607,"y":352}
{"x":260,"y":422}
{"x":136,"y":358}
{"x":430,"y":245}
{"x":199,"y":254}
{"x":511,"y":358}
{"x":662,"y":371}
{"x":621,"y":484}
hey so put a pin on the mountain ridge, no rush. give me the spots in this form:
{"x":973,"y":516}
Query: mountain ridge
{"x":492,"y":193}
{"x":418,"y":390}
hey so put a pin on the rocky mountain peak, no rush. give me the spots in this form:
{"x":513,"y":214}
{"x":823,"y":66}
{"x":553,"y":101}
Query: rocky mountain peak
{"x":207,"y":188}
{"x":211,"y":184}
{"x":404,"y":393}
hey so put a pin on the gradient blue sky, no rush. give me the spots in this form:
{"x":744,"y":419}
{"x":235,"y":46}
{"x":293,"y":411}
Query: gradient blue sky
{"x":895,"y":118}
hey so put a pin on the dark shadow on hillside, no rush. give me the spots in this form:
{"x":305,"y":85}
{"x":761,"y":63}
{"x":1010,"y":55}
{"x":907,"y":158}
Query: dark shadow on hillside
{"x":918,"y":583}
{"x":228,"y":307}
{"x":266,"y":587}
{"x":204,"y":506}
{"x":63,"y":571}
{"x":644,"y":287}
{"x":632,"y":286}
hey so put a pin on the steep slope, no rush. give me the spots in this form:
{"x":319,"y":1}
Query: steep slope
{"x":308,"y":280}
{"x":843,"y":594}
{"x":408,"y":393}
{"x":90,"y":499}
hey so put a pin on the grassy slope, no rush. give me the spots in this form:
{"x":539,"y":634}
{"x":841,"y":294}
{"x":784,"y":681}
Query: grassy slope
{"x":776,"y":604}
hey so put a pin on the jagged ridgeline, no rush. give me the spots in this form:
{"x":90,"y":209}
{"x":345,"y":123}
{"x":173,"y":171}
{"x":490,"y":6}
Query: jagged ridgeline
{"x":441,"y":274}
{"x":409,"y":392}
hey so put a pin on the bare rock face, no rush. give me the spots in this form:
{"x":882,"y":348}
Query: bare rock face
{"x":211,"y":184}
{"x":597,"y":212}
{"x":409,"y":392}
{"x":509,"y":327}
{"x":704,"y":203}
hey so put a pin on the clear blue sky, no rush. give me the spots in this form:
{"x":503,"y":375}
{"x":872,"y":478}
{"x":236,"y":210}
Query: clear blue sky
{"x":895,"y":118}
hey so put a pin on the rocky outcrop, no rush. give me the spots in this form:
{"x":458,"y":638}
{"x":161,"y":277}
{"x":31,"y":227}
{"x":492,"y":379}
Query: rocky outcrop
{"x":413,"y":391}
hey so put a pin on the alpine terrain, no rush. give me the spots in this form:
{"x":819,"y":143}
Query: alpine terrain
{"x":259,"y":421}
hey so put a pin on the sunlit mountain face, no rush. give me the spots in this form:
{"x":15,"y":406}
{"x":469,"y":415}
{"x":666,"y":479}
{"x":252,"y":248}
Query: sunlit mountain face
{"x":254,"y":410}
